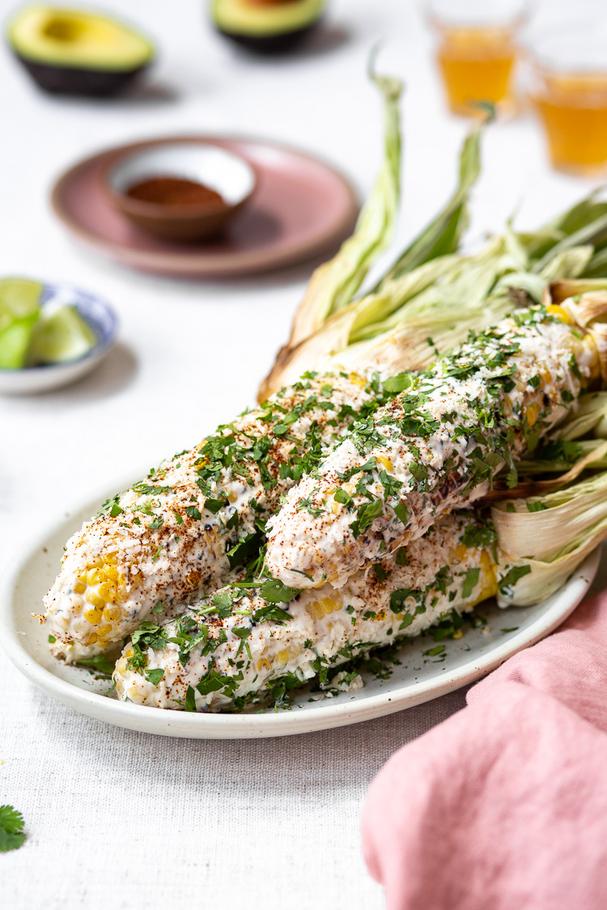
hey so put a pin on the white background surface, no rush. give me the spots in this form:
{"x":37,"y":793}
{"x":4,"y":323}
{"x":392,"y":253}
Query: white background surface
{"x":115,"y":819}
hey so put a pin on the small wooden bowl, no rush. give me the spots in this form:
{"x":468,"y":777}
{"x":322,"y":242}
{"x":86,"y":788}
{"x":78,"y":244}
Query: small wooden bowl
{"x":228,"y":174}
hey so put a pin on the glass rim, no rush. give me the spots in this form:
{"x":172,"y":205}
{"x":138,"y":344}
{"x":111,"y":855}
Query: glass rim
{"x":451,"y":14}
{"x":569,"y":49}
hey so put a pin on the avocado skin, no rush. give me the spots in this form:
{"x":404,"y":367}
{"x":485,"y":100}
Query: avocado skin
{"x":281,"y":43}
{"x":89,"y":83}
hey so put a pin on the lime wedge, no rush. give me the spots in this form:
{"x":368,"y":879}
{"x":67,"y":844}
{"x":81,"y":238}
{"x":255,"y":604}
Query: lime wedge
{"x":14,"y":344}
{"x":59,"y":336}
{"x":19,"y":299}
{"x":19,"y":312}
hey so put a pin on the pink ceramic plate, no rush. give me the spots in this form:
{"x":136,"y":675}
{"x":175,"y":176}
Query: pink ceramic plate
{"x":300,"y":207}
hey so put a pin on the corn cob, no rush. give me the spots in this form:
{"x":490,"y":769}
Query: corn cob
{"x":241,"y":644}
{"x":434,"y":447}
{"x":192,"y":524}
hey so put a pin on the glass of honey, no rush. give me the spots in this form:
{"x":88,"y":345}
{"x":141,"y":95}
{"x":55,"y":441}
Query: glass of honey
{"x":477,"y":50}
{"x":569,"y":93}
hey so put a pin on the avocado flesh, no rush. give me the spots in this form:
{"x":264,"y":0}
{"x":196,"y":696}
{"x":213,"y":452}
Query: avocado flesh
{"x":267,"y":27}
{"x":75,"y":52}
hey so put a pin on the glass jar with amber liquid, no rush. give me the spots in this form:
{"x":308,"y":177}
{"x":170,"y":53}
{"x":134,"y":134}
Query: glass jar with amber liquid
{"x":477,"y":50}
{"x":570,"y":97}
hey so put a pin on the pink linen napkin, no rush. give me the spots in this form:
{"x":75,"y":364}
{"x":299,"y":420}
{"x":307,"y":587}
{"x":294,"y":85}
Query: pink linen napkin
{"x":504,"y":805}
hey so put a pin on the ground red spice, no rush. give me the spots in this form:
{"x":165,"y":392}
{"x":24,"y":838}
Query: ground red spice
{"x":175,"y":191}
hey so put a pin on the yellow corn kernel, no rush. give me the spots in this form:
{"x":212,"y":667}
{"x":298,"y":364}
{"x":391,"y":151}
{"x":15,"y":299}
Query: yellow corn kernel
{"x":91,"y":639}
{"x":104,"y":631}
{"x":488,"y":586}
{"x":533,"y":412}
{"x":385,"y":462}
{"x":93,"y":598}
{"x":105,"y":590}
{"x":319,"y":608}
{"x":459,"y":633}
{"x":556,"y":310}
{"x":263,"y":664}
{"x":112,"y":613}
{"x":459,"y":553}
{"x":93,"y":616}
{"x":111,"y":573}
{"x":93,"y":577}
{"x":79,"y":587}
{"x":283,"y":656}
{"x":357,"y":379}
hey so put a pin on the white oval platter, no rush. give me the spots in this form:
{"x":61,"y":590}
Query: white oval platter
{"x":418,"y":678}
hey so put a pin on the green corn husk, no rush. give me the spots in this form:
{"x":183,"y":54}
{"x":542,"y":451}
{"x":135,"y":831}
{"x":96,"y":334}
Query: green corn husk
{"x":443,"y":235}
{"x":442,"y":297}
{"x":334,"y":284}
{"x":545,"y":538}
{"x":560,"y":457}
{"x":428,"y":257}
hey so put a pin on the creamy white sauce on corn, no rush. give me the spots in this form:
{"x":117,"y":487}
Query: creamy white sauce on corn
{"x":434,"y":447}
{"x":194,"y":522}
{"x":237,"y":647}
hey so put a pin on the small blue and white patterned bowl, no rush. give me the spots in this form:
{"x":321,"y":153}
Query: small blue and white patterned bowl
{"x":102,"y":320}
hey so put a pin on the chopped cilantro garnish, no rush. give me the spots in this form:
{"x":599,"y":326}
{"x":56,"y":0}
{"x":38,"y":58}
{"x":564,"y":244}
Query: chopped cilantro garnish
{"x":436,"y":651}
{"x":342,"y":497}
{"x":398,"y":598}
{"x":511,"y":577}
{"x":402,"y":512}
{"x":271,"y":613}
{"x":190,"y":700}
{"x":470,"y":581}
{"x":154,"y":676}
{"x":366,"y":515}
{"x":214,"y":505}
{"x":12,"y":833}
{"x":274,"y":592}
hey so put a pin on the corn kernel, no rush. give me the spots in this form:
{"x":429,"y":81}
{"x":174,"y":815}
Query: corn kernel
{"x":459,"y":553}
{"x":488,"y":587}
{"x":319,"y":608}
{"x":357,"y":379}
{"x":79,"y":587}
{"x":93,"y":616}
{"x":556,"y":310}
{"x":385,"y":462}
{"x":283,"y":656}
{"x":112,"y":613}
{"x":533,"y":412}
{"x":93,"y":598}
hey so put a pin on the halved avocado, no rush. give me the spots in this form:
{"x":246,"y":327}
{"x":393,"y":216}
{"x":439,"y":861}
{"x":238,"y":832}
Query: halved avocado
{"x":267,"y":26}
{"x":74,"y":52}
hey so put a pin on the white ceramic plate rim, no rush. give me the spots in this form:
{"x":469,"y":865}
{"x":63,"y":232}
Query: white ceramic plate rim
{"x":246,"y":726}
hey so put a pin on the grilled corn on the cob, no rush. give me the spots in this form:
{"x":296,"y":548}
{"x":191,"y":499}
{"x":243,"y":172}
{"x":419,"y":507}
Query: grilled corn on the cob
{"x":242,"y":643}
{"x":434,"y":447}
{"x":193,"y":522}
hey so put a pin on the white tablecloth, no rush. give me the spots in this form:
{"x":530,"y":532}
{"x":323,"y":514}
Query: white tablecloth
{"x":116,"y":819}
